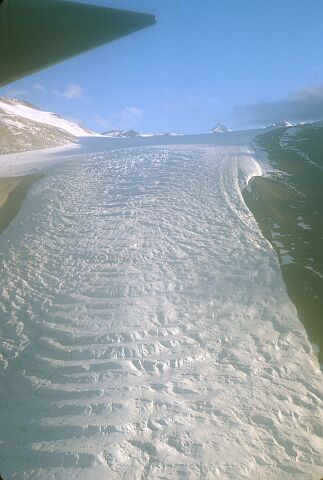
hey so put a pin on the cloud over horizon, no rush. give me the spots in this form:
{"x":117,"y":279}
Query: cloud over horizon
{"x":39,"y":87}
{"x":303,"y":105}
{"x":73,"y":91}
{"x":15,"y":93}
{"x":123,"y":120}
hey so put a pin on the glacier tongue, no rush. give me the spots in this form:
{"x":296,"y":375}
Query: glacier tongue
{"x":147,"y":330}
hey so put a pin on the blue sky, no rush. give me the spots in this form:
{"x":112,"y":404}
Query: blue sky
{"x":205,"y":62}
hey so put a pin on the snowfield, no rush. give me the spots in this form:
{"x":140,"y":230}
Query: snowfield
{"x":147,"y":332}
{"x":24,"y":128}
{"x":17,"y":108}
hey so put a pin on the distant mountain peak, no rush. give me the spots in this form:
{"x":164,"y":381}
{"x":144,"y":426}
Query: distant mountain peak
{"x":122,"y":133}
{"x":220,"y":128}
{"x":133,"y":133}
{"x":283,"y":123}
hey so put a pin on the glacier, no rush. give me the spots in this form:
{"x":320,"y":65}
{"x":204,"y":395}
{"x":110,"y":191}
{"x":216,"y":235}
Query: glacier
{"x":146,"y":329}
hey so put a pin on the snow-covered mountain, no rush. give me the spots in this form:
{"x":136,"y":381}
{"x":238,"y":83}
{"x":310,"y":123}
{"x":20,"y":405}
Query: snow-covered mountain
{"x":122,"y":133}
{"x":283,"y":123}
{"x":219,"y":128}
{"x":133,"y":133}
{"x":25,"y":127}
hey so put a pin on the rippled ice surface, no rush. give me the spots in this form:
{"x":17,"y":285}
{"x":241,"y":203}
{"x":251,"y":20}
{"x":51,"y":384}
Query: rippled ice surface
{"x":146,"y":330}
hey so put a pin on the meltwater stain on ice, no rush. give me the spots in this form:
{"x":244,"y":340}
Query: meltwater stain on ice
{"x":147,"y":333}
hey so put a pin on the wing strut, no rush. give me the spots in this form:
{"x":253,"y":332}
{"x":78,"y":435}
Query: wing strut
{"x":35,"y":34}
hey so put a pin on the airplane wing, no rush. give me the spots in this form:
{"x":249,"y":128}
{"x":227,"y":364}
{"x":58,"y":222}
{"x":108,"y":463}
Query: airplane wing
{"x":35,"y":34}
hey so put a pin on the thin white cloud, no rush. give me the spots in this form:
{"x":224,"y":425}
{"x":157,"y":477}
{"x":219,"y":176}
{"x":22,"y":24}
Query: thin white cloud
{"x":123,"y":120}
{"x":303,"y":105}
{"x":73,"y":91}
{"x":126,"y":118}
{"x":103,"y":122}
{"x":40,"y":88}
{"x":15,"y":93}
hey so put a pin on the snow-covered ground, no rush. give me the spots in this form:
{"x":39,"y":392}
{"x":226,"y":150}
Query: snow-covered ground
{"x":25,"y":163}
{"x":22,"y":163}
{"x":17,"y":108}
{"x":147,"y":332}
{"x":24,"y":127}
